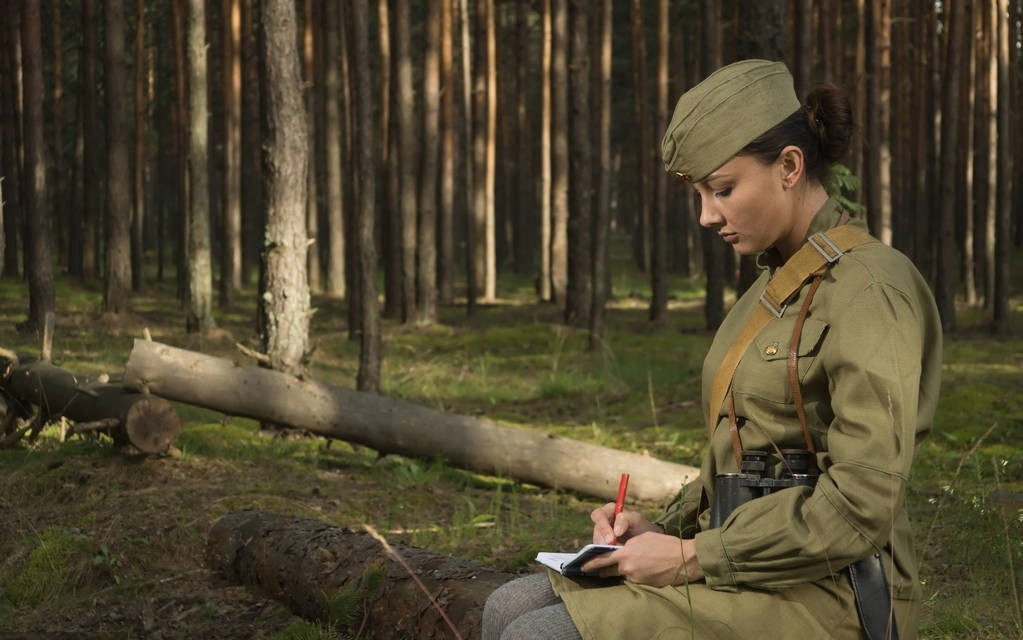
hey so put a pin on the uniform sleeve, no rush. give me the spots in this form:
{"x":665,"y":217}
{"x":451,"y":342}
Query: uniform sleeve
{"x":872,"y":358}
{"x":680,"y":517}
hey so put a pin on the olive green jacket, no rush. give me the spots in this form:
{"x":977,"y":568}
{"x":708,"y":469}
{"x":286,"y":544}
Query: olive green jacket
{"x":869,"y":365}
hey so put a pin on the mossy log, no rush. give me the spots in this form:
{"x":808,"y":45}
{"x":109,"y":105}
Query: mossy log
{"x":389,"y":425}
{"x":347,"y":578}
{"x":47,"y":392}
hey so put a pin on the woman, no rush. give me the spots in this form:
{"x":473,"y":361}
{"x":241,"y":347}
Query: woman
{"x":835,"y":350}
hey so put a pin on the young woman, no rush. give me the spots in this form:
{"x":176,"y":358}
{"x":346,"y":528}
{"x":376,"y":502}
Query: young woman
{"x":835,"y":352}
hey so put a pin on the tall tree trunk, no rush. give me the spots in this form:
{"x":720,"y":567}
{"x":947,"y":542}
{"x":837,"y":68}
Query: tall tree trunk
{"x":642,"y":233}
{"x":253,"y":205}
{"x":945,"y":286}
{"x":524,"y":186}
{"x":284,"y":299}
{"x":713,"y":248}
{"x":658,"y":311}
{"x":546,"y":132}
{"x":38,"y":243}
{"x":139,"y":175}
{"x":426,"y":268}
{"x":602,"y":204}
{"x":407,"y":159}
{"x":11,"y":134}
{"x":985,"y":128}
{"x":231,"y":228}
{"x":448,"y":161}
{"x":490,"y":165}
{"x":578,"y":302}
{"x":200,"y":267}
{"x":312,"y":218}
{"x":59,"y":202}
{"x":879,"y":202}
{"x":368,"y":377}
{"x":181,"y":119}
{"x":333,"y":136}
{"x":117,"y":279}
{"x":1003,"y":208}
{"x":389,"y":176}
{"x":559,"y":151}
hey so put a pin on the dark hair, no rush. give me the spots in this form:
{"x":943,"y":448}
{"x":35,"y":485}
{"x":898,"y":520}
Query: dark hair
{"x":822,"y":129}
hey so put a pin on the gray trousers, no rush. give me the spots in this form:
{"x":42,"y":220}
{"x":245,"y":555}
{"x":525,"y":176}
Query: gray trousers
{"x":527,"y":609}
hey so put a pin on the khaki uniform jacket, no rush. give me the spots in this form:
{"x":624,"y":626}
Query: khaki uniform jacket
{"x":869,"y":366}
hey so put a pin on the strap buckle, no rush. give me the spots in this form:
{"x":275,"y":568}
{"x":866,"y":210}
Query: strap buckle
{"x":825,"y":246}
{"x":778,"y":311}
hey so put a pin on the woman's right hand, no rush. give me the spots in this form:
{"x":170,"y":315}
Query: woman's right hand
{"x":628,"y":524}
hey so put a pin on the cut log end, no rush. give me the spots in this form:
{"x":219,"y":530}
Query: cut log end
{"x":152,"y":425}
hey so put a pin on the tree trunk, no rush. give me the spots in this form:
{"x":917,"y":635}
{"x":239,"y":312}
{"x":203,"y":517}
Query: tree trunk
{"x":147,"y":422}
{"x":658,"y":311}
{"x":200,"y":267}
{"x":333,"y":135}
{"x":38,"y":243}
{"x":602,"y":204}
{"x":368,"y":377}
{"x":139,"y":168}
{"x":713,"y":248}
{"x":284,"y":299}
{"x":945,"y":287}
{"x":448,"y":159}
{"x":253,"y":205}
{"x":559,"y":151}
{"x":641,"y":224}
{"x":315,"y":136}
{"x":546,"y":132}
{"x":426,"y":243}
{"x":308,"y":566}
{"x":117,"y":279}
{"x":11,"y":134}
{"x":1003,"y":209}
{"x":879,"y":201}
{"x":231,"y":227}
{"x":578,"y":302}
{"x":393,"y":426}
{"x":407,"y":159}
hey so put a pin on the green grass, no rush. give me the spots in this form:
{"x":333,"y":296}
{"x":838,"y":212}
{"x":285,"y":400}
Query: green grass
{"x":88,"y":530}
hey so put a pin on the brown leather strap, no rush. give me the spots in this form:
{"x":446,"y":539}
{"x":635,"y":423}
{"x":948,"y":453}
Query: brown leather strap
{"x":797,"y":330}
{"x":820,"y":251}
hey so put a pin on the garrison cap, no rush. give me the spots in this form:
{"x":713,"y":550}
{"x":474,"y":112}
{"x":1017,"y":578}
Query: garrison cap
{"x":725,"y":112}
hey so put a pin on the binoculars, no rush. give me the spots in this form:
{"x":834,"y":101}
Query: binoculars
{"x":760,"y":474}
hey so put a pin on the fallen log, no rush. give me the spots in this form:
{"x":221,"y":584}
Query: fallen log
{"x":48,"y":392}
{"x":311,"y":567}
{"x":393,"y":426}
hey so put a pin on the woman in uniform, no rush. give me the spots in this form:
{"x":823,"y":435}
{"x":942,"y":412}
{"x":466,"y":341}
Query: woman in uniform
{"x":817,"y":387}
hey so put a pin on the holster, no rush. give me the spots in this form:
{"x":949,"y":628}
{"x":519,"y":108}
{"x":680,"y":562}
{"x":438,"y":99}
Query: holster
{"x":873,"y":599}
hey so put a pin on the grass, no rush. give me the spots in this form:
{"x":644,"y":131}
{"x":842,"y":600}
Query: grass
{"x":111,"y":545}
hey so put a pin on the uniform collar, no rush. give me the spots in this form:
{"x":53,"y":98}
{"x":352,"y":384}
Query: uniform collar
{"x":825,"y":218}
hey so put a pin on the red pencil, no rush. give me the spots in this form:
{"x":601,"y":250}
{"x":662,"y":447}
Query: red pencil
{"x":623,"y":486}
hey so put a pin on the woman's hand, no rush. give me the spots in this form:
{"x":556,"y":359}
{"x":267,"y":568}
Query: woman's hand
{"x":656,"y":559}
{"x":648,"y":556}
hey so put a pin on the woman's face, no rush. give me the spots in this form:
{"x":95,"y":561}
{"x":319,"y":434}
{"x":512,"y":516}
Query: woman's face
{"x":748,"y":203}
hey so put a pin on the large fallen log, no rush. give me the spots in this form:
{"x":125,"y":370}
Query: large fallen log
{"x":46,"y":392}
{"x":311,"y":567}
{"x":393,"y":426}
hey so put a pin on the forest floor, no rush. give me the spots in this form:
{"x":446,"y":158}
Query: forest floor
{"x":96,"y":542}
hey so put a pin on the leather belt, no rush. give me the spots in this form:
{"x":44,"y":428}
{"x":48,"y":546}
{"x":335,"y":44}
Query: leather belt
{"x":873,"y":600}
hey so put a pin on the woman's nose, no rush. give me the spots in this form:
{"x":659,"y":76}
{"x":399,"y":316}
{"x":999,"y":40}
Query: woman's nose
{"x":709,"y":215}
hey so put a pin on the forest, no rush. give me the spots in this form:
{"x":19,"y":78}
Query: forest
{"x":336,"y":186}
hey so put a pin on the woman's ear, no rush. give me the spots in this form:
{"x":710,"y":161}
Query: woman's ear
{"x":793,"y":165}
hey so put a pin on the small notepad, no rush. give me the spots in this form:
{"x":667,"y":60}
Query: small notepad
{"x":570,"y":564}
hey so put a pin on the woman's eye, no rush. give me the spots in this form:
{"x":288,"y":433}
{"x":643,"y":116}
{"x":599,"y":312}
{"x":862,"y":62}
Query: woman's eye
{"x":727,"y":191}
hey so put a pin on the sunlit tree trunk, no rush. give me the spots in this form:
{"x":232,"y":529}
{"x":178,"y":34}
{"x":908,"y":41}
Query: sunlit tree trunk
{"x":38,"y":240}
{"x":117,"y":279}
{"x":231,"y":229}
{"x":602,"y":203}
{"x":559,"y":151}
{"x":284,"y":294}
{"x":490,"y":163}
{"x":546,"y":89}
{"x":407,"y":158}
{"x":200,"y":267}
{"x":448,"y":162}
{"x":879,"y":197}
{"x":310,"y":15}
{"x":334,"y":149}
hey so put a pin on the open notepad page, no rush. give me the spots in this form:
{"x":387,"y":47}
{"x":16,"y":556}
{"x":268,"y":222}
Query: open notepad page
{"x":570,"y":564}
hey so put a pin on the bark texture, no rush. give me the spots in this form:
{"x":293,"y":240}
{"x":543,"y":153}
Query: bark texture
{"x":304,"y":564}
{"x":392,"y":426}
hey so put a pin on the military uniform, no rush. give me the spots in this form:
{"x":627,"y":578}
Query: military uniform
{"x":869,"y":364}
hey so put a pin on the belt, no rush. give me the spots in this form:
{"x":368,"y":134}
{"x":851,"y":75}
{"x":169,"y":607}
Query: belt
{"x":873,"y":600}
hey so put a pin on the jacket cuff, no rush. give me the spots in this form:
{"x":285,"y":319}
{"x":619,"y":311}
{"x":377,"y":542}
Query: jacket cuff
{"x":717,"y":569}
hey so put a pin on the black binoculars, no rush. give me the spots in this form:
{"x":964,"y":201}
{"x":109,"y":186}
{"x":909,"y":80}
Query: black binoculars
{"x":760,"y":474}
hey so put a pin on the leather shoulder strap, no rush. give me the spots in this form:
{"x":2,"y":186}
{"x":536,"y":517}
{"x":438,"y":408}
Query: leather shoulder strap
{"x":820,"y":251}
